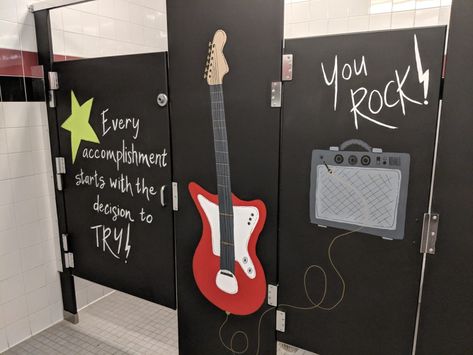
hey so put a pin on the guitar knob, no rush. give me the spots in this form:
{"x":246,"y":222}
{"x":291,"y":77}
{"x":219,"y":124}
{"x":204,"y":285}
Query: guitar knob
{"x":245,"y":260}
{"x":250,"y":270}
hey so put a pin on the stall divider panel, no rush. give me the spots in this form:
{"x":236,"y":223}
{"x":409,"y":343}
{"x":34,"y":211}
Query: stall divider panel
{"x":225,"y":140}
{"x":114,"y":137}
{"x":446,"y":318}
{"x":358,"y":136}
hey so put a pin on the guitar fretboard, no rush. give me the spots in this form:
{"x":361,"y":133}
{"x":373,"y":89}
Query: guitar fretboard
{"x":222,"y":163}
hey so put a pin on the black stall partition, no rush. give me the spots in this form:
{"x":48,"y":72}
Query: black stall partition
{"x":446,"y":323}
{"x":359,"y":128}
{"x":225,"y":139}
{"x":115,"y":140}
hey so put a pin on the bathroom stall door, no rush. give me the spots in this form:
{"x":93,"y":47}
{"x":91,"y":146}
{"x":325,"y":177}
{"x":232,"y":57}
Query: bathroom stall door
{"x":225,"y":136}
{"x":113,"y":124}
{"x":446,"y":322}
{"x":358,"y":137}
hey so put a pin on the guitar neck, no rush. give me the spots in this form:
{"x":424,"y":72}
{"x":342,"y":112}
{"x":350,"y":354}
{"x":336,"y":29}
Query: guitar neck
{"x":222,"y":163}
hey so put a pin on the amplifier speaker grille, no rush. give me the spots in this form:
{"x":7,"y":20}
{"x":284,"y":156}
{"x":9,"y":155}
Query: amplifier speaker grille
{"x":366,"y":197}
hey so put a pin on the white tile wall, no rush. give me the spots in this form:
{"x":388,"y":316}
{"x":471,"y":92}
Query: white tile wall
{"x":93,"y":29}
{"x":322,"y":17}
{"x":110,"y":27}
{"x":30,"y":296}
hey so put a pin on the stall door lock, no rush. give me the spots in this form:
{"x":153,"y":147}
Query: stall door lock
{"x":162,"y":99}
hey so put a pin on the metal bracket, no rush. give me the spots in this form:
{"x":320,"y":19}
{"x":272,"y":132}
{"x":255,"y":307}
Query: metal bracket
{"x":273,"y":295}
{"x":276,"y":89}
{"x":69,"y":260}
{"x":53,"y":80}
{"x":60,"y":165}
{"x":53,"y":85}
{"x":51,"y":99}
{"x":287,"y":62}
{"x":65,"y":246}
{"x":60,"y":169}
{"x":429,"y":233}
{"x":175,"y":197}
{"x":281,"y":321}
{"x":53,"y":4}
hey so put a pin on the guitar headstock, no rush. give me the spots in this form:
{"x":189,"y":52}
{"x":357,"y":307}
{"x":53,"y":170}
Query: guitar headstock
{"x":216,"y":66}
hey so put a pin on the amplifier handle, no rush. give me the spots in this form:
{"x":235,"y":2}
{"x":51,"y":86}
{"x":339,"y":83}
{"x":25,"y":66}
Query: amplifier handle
{"x":357,"y":142}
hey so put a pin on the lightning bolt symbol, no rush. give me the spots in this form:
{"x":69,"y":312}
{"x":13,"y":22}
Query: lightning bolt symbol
{"x":422,"y":75}
{"x":127,"y":244}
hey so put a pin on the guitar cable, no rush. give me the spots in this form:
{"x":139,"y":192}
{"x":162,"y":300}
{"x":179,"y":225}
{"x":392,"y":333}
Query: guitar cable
{"x":314,"y":305}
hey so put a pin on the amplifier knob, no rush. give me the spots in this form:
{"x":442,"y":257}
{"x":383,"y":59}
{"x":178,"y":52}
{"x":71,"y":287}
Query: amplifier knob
{"x":365,"y":160}
{"x":338,"y":159}
{"x":352,"y":160}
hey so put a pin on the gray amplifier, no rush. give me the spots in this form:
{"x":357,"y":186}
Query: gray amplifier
{"x":360,"y":190}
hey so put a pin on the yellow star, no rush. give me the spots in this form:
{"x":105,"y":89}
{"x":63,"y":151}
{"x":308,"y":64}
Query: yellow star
{"x":78,"y":124}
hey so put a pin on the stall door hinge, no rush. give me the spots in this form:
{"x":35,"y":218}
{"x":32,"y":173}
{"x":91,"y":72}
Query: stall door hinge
{"x":65,"y":245}
{"x":69,"y":260}
{"x":273,"y":295}
{"x":68,"y":256}
{"x":280,"y":321}
{"x":60,"y":170}
{"x":287,"y":62}
{"x":53,"y":80}
{"x":175,"y":197}
{"x":276,"y":93}
{"x":53,"y":85}
{"x":429,"y":233}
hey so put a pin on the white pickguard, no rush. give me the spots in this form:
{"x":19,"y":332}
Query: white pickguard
{"x":245,"y":219}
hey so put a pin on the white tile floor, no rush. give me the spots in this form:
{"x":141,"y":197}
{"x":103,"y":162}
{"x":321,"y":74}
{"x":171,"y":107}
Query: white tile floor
{"x":117,"y":324}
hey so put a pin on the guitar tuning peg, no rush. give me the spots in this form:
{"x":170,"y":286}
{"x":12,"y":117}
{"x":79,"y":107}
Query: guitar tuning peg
{"x":205,"y":76}
{"x":210,"y":44}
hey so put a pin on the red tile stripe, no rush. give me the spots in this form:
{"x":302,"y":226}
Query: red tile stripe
{"x":14,"y":62}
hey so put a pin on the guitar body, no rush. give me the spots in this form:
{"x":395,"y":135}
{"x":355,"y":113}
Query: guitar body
{"x":247,"y":292}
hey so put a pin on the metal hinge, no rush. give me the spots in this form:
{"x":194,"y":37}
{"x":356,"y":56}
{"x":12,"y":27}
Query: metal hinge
{"x":65,"y":245}
{"x":280,"y":321}
{"x":273,"y":295}
{"x":429,"y":233}
{"x":276,"y":91}
{"x":53,"y":80}
{"x":60,"y":170}
{"x":287,"y":62}
{"x":53,"y":85}
{"x":175,"y":196}
{"x":69,"y":260}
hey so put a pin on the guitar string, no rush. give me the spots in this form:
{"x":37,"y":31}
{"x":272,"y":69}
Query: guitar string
{"x":314,"y":305}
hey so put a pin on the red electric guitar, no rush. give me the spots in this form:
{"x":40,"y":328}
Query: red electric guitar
{"x":226,"y":268}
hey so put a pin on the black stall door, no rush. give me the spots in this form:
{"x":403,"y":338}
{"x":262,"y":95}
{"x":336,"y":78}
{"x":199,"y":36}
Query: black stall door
{"x":115,"y":139}
{"x":225,"y":138}
{"x":359,"y":127}
{"x":446,"y":322}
